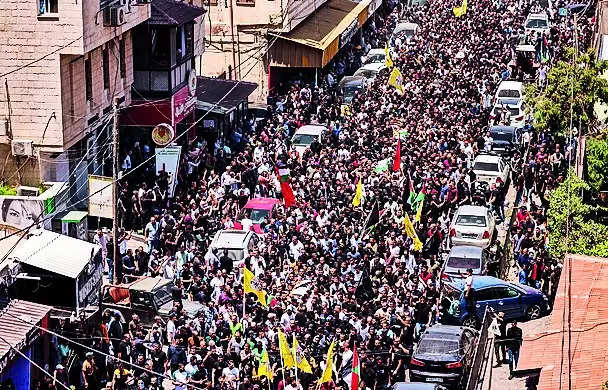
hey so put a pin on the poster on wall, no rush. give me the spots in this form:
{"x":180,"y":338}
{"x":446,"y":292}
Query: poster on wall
{"x":167,"y":159}
{"x":100,"y":196}
{"x":21,"y":211}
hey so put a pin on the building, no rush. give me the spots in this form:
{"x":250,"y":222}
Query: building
{"x":63,"y":61}
{"x":300,"y":34}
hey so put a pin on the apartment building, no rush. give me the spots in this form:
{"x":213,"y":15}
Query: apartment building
{"x":241,"y":32}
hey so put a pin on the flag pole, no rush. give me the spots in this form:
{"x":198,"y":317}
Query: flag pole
{"x":295,"y":356}
{"x":281,"y":359}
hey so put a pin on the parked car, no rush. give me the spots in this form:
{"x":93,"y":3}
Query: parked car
{"x":508,"y":89}
{"x":254,"y":212}
{"x":473,"y":225}
{"x":537,"y":22}
{"x":517,"y":112}
{"x":405,"y":29}
{"x":306,"y":135}
{"x":238,"y":243}
{"x":370,"y":71}
{"x":489,"y":167}
{"x":374,"y":56}
{"x":350,"y":85}
{"x":505,"y":139}
{"x":417,"y":386}
{"x":515,"y":300}
{"x":463,"y":257}
{"x":444,"y":355}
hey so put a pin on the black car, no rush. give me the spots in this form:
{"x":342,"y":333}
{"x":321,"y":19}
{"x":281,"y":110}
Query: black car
{"x":444,"y":355}
{"x":417,"y":386}
{"x":505,"y":139}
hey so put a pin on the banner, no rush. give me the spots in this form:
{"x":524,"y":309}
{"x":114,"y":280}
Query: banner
{"x":167,"y":159}
{"x":100,"y":196}
{"x":21,"y":211}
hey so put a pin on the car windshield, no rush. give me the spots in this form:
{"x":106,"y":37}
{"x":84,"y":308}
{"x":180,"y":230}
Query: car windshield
{"x":303,"y":139}
{"x":438,"y":347}
{"x":514,"y":110}
{"x":509,"y":93}
{"x":536,"y":23}
{"x":233,"y":253}
{"x":375,"y":58}
{"x":350,"y":91}
{"x":162,"y":296}
{"x":471,"y":220}
{"x":500,"y":136}
{"x":485,"y":166}
{"x":256,"y":216}
{"x":367,"y":73}
{"x":464,"y":262}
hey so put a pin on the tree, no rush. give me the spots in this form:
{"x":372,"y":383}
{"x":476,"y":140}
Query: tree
{"x":578,"y":78}
{"x":582,"y":235}
{"x":596,"y":151}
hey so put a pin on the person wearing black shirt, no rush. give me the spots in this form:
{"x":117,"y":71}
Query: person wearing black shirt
{"x":226,"y":262}
{"x":128,"y":263}
{"x":159,"y":360}
{"x":514,"y":340}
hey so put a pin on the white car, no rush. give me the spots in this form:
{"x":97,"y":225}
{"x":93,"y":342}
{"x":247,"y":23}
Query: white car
{"x":238,"y":243}
{"x":512,"y":90}
{"x":537,"y":22}
{"x":473,"y":225}
{"x":374,"y":56}
{"x":489,"y":167}
{"x":517,"y":110}
{"x":370,"y":71}
{"x":306,"y":135}
{"x":405,"y":29}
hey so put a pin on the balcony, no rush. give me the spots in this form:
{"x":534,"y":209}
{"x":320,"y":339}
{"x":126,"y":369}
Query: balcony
{"x":164,"y":82}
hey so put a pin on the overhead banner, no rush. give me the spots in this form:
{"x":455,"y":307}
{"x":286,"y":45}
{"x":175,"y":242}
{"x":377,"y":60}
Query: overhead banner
{"x":100,"y":196}
{"x":167,"y":159}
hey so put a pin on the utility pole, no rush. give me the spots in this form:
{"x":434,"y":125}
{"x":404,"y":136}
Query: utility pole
{"x":115,"y":191}
{"x":232,"y":40}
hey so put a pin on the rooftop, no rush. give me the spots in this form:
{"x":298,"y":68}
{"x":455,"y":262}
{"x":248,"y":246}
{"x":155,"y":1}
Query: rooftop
{"x":173,"y":13}
{"x":222,"y":96}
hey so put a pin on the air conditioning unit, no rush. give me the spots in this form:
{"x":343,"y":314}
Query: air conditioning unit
{"x":28,"y":191}
{"x":22,"y":148}
{"x":114,"y":16}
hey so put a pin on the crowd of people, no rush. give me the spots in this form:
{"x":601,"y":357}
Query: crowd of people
{"x":358,"y":286}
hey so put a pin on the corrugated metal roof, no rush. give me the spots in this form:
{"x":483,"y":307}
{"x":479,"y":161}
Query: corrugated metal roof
{"x":210,"y":91}
{"x":16,"y":329}
{"x":55,"y":253}
{"x":173,"y":13}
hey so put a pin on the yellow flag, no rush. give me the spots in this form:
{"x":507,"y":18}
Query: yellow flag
{"x":358,"y":194}
{"x":411,"y":233}
{"x":264,"y":367}
{"x":419,"y":211}
{"x":247,"y":288}
{"x":288,"y":360}
{"x":459,"y":11}
{"x":388,"y":61}
{"x":300,"y":359}
{"x":396,"y":80}
{"x":328,"y":372}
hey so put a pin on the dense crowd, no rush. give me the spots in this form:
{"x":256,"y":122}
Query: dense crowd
{"x":364,"y":287}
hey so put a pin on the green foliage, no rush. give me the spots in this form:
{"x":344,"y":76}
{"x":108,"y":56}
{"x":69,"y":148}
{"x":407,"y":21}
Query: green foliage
{"x":581,"y":80}
{"x":597,"y":163}
{"x":586,"y":237}
{"x":7,"y":190}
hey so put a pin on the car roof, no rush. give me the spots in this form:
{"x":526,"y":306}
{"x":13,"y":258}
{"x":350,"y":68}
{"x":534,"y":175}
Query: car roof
{"x":402,"y":26}
{"x":352,"y":80}
{"x":230,"y":238}
{"x":466,"y":251}
{"x":372,"y":52}
{"x":148,"y":284}
{"x":525,"y":48}
{"x":311,"y":129}
{"x":503,"y":129}
{"x":414,"y":386}
{"x":444,"y":330}
{"x":373,"y":66}
{"x":538,"y":15}
{"x":487,"y":158}
{"x":479,"y":282}
{"x":261,"y":203}
{"x":472,"y":210}
{"x":510,"y":84}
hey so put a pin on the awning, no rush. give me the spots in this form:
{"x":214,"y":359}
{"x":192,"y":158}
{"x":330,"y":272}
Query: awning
{"x":74,"y":216}
{"x":314,"y":42}
{"x":18,"y":321}
{"x":222,"y":96}
{"x":56,"y":253}
{"x":173,"y":13}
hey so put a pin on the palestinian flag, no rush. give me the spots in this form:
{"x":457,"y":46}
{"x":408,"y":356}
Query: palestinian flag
{"x":354,"y":382}
{"x":418,"y":200}
{"x":397,"y":160}
{"x":286,"y":190}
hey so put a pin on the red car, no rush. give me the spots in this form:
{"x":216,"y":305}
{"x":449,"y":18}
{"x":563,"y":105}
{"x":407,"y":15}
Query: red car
{"x":254,"y":212}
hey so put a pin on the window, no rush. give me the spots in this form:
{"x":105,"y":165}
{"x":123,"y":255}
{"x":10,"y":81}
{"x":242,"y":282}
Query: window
{"x":245,"y":2}
{"x":88,"y":79}
{"x":123,"y":65}
{"x":106,"y":68}
{"x":505,"y":292}
{"x":484,"y":295}
{"x":47,"y":7}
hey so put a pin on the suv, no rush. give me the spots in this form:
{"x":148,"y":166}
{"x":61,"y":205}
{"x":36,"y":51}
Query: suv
{"x":147,"y":297}
{"x":444,"y":355}
{"x":489,"y":167}
{"x":515,"y":300}
{"x":505,"y":139}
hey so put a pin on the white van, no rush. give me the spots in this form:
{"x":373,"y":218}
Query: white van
{"x":306,"y":135}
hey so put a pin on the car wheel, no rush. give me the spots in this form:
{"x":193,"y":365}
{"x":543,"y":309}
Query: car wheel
{"x":533,"y":312}
{"x":471,"y":322}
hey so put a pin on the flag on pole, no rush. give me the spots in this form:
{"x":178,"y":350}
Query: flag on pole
{"x":300,"y":358}
{"x":412,"y":196}
{"x":417,"y":202}
{"x":329,"y":370}
{"x":264,"y":366}
{"x":286,"y":190}
{"x":459,"y":11}
{"x":397,"y":160}
{"x":354,"y":382}
{"x":419,"y":211}
{"x":373,"y":217}
{"x":388,"y":61}
{"x":358,"y":194}
{"x":248,"y":278}
{"x":411,"y":233}
{"x":288,"y":360}
{"x":396,"y":80}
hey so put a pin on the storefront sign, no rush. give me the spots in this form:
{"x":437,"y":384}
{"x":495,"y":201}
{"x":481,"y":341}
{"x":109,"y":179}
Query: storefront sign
{"x":183,"y":103}
{"x":373,"y":6}
{"x":89,"y":284}
{"x":100,"y":196}
{"x":349,"y":32}
{"x":163,"y":134}
{"x":167,"y":159}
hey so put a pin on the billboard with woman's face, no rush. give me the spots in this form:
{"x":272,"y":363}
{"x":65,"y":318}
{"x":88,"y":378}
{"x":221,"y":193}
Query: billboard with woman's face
{"x":20,"y":211}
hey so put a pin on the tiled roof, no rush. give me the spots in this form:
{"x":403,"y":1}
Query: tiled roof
{"x":588,"y":336}
{"x":173,"y":12}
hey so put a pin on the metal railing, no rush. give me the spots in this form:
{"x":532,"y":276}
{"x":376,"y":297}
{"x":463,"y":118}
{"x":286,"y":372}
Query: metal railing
{"x":475,"y":379}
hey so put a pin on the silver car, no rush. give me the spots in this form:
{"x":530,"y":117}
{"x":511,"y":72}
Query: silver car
{"x":463,"y":257}
{"x":473,"y":225}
